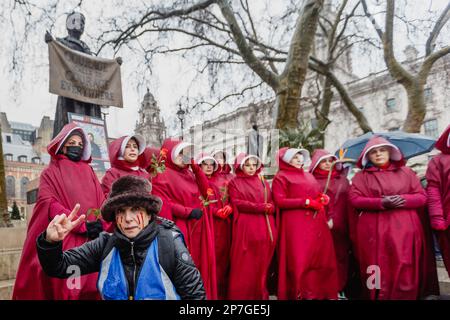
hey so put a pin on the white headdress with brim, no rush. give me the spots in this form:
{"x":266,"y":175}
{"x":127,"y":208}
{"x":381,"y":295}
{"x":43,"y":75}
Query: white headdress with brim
{"x":87,"y":144}
{"x":208,"y":157}
{"x":338,"y":166}
{"x":176,"y":151}
{"x":250,"y":156}
{"x":395,"y":154}
{"x":141,"y":144}
{"x":291,"y":152}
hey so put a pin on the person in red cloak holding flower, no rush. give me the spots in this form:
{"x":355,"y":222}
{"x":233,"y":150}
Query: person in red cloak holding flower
{"x":253,"y":231}
{"x":68,"y":180}
{"x":438,"y":190}
{"x":220,"y":212}
{"x":390,"y":240}
{"x":126,"y":156}
{"x":183,"y":203}
{"x":306,"y":257}
{"x":223,"y":174}
{"x":337,"y":210}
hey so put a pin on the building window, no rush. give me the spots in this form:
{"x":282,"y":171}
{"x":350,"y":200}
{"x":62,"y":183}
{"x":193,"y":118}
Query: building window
{"x":8,"y":139}
{"x":23,"y":187}
{"x":8,"y":157}
{"x":391,"y":105}
{"x":36,"y":160}
{"x":10,"y":187}
{"x":431,"y":128}
{"x":32,"y":196}
{"x":428,"y":94}
{"x":22,"y":158}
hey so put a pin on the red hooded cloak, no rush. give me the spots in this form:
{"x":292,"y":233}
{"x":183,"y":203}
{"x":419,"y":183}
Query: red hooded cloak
{"x":222,"y":227}
{"x":390,"y":242}
{"x":252,"y":247}
{"x":63,"y":184}
{"x":438,"y":189}
{"x":180,"y":193}
{"x":306,"y":258}
{"x":337,"y":210}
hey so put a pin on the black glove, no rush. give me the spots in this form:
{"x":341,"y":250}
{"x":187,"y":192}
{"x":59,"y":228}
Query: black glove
{"x":94,"y":228}
{"x":392,"y":202}
{"x":196,"y":214}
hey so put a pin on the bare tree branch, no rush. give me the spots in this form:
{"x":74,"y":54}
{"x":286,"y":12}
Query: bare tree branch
{"x":443,"y":19}
{"x":245,"y":51}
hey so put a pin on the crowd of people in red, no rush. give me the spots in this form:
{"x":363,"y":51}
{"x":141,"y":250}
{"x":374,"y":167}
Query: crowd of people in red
{"x":310,"y":233}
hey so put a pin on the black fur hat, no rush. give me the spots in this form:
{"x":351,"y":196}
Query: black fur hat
{"x":130,"y":191}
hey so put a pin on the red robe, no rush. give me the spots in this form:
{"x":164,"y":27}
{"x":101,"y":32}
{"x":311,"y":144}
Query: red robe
{"x":222,"y":229}
{"x":120,"y":168}
{"x":390,"y":242}
{"x":251,"y":247}
{"x":62,"y":184}
{"x":438,"y":189}
{"x":180,"y":193}
{"x":306,"y":258}
{"x":337,"y":210}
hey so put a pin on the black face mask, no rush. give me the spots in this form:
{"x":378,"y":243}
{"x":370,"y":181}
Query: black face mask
{"x":74,"y":153}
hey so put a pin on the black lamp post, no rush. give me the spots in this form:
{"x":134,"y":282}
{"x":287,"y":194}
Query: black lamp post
{"x":181,"y":114}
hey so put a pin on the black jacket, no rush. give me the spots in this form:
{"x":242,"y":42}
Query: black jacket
{"x":172,"y":252}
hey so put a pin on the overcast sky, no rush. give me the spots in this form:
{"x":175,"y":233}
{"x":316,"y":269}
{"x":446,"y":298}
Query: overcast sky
{"x":29,"y":100}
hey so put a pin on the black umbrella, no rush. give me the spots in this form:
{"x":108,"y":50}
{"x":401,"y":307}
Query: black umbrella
{"x":410,"y":144}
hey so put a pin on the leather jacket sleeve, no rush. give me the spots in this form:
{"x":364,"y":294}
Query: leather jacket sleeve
{"x":56,"y":263}
{"x":186,"y":279}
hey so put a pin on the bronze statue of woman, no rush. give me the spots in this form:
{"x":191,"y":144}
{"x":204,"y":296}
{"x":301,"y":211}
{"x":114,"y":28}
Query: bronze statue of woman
{"x":75,"y":27}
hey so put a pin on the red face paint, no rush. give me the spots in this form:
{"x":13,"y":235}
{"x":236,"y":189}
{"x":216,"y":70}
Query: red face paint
{"x":141,"y":220}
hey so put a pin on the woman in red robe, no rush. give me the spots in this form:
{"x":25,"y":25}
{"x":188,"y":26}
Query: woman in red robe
{"x":220,"y":211}
{"x":253,"y":233}
{"x":181,"y":195}
{"x":126,"y":156}
{"x":438,"y":189}
{"x":306,"y":257}
{"x":337,"y":210}
{"x":68,"y":180}
{"x":390,"y":240}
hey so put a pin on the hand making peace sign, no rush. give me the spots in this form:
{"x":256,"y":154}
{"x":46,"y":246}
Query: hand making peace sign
{"x":61,"y":225}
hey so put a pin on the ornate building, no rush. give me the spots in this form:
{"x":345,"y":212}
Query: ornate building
{"x":150,"y":124}
{"x":24,"y":159}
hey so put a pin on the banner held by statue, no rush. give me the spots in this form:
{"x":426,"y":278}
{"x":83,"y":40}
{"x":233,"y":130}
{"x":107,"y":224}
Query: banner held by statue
{"x":85,"y":78}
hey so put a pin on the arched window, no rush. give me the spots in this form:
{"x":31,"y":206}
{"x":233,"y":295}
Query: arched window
{"x":36,"y":160}
{"x":23,"y":158}
{"x":8,"y":157}
{"x":23,"y":187}
{"x":10,"y":187}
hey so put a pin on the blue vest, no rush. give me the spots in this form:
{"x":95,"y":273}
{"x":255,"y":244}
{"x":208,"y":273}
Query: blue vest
{"x":153,"y":282}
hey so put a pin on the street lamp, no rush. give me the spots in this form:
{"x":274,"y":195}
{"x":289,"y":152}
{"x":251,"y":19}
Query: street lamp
{"x":181,"y":114}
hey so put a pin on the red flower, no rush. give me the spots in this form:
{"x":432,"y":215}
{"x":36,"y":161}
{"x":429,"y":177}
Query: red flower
{"x":163,"y":152}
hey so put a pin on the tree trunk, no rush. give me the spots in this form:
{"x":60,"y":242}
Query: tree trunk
{"x":5,"y":219}
{"x":294,"y":74}
{"x":416,"y":108}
